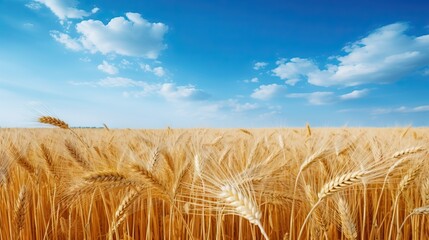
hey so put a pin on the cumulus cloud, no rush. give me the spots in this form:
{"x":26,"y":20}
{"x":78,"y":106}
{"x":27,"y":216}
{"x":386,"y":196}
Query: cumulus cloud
{"x":265,"y":92}
{"x":108,"y":68}
{"x":385,"y":55}
{"x":402,"y":109}
{"x":354,"y":94}
{"x":63,"y":9}
{"x":130,"y":36}
{"x":260,"y":65}
{"x":66,"y":40}
{"x":295,"y":70}
{"x":315,"y":98}
{"x":158,"y":71}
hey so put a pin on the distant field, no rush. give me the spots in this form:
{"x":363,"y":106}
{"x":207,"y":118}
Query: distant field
{"x":341,"y":183}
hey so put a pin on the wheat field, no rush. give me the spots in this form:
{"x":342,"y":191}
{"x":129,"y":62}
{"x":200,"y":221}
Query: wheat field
{"x":283,"y":183}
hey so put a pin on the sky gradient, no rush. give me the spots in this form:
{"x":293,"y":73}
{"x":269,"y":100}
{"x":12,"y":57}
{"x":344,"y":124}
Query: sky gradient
{"x":153,"y":64}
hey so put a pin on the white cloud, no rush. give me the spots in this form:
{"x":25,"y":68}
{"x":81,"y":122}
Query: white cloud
{"x":260,"y":65}
{"x":64,"y":9}
{"x":265,"y":92}
{"x":108,"y":68}
{"x":385,"y":55}
{"x":236,"y":106}
{"x":172,"y":92}
{"x":134,"y":36}
{"x":114,"y":82}
{"x":315,"y":98}
{"x":294,"y":70}
{"x":158,"y":71}
{"x":85,"y":59}
{"x":253,"y":80}
{"x":402,"y":109}
{"x":355,"y":94}
{"x":33,"y":5}
{"x":28,"y":25}
{"x":66,"y":40}
{"x":95,"y":10}
{"x":169,"y":91}
{"x":119,"y":82}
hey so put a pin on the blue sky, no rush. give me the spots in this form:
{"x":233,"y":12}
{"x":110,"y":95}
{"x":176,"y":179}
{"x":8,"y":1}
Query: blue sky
{"x":152,"y":64}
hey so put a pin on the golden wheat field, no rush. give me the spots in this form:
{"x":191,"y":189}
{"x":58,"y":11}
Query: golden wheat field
{"x":283,"y":183}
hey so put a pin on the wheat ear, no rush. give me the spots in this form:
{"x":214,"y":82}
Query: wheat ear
{"x":403,"y":185}
{"x":243,"y":206}
{"x":77,"y":155}
{"x":318,"y":215}
{"x":338,"y":184}
{"x":425,"y":191}
{"x":304,"y":165}
{"x":416,"y":211}
{"x":347,"y":224}
{"x":21,"y":159}
{"x":122,"y":210}
{"x":341,"y":182}
{"x":307,"y":126}
{"x":21,"y":209}
{"x":61,"y":124}
{"x":54,"y":122}
{"x":407,"y":151}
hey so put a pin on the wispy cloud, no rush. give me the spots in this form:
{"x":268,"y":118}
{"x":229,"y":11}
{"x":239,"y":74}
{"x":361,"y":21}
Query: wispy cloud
{"x":385,"y":55}
{"x":172,"y":92}
{"x":169,"y":91}
{"x":252,"y":80}
{"x":315,"y":98}
{"x":402,"y":109}
{"x":265,"y":92}
{"x":356,"y":94}
{"x":63,"y":9}
{"x":67,"y":41}
{"x":33,"y":5}
{"x":236,"y":106}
